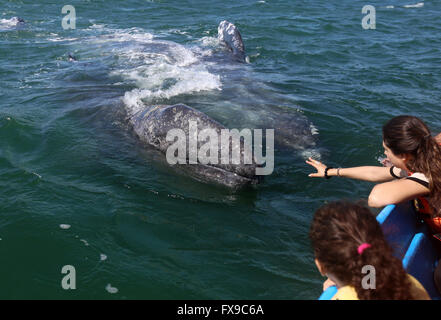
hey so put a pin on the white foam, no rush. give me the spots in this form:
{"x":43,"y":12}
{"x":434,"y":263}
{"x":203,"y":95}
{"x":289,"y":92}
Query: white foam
{"x":416,"y":5}
{"x":170,"y":71}
{"x":208,"y":41}
{"x":180,"y":32}
{"x":58,"y":39}
{"x":36,"y":174}
{"x":158,"y":69}
{"x":314,"y":129}
{"x":311,"y":153}
{"x":117,"y":35}
{"x":205,"y":47}
{"x":111,"y":289}
{"x":390,"y":7}
{"x":97,"y":26}
{"x":9,"y":23}
{"x":187,"y":81}
{"x":65,"y":226}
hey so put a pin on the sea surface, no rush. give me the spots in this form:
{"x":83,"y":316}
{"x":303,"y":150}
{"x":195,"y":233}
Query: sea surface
{"x":78,"y":189}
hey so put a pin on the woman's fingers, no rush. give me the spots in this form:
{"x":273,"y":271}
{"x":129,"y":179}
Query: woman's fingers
{"x":318,"y":166}
{"x":313,"y":162}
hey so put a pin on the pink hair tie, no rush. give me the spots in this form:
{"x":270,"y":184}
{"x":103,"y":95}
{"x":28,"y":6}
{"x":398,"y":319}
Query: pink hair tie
{"x":362,"y":247}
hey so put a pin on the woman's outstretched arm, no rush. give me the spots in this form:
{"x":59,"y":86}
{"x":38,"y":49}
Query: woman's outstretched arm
{"x":366,"y":173}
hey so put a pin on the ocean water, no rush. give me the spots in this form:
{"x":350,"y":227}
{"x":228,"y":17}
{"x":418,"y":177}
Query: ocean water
{"x":78,"y":189}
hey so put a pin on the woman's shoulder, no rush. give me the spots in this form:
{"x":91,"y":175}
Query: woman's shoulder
{"x":418,"y":175}
{"x":420,"y":178}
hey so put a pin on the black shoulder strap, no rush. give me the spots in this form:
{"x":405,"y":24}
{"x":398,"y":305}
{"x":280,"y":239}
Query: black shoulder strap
{"x":421,"y":182}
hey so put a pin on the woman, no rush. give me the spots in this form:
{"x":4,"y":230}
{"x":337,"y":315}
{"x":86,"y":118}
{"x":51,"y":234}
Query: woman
{"x":415,"y":172}
{"x":346,"y":238}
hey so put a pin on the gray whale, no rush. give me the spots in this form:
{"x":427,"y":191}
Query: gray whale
{"x":152,"y":124}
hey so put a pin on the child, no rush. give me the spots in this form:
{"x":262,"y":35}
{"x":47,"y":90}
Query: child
{"x":346,"y":238}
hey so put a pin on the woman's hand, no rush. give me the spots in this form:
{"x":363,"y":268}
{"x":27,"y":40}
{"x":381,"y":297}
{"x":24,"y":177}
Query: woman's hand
{"x":386,"y":162}
{"x":320,"y":167}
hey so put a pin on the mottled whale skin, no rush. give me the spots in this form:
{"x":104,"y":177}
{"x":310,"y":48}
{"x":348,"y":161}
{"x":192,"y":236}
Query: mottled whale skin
{"x":230,"y":35}
{"x":152,"y":124}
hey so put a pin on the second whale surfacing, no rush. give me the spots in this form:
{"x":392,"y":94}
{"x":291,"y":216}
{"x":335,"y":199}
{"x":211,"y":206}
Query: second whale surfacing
{"x":153,"y":123}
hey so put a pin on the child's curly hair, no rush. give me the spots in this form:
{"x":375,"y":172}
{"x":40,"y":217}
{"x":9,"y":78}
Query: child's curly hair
{"x":337,"y":231}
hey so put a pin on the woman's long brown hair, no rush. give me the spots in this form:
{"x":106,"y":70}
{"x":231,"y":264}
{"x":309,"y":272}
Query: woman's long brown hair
{"x":337,"y":230}
{"x":409,"y":135}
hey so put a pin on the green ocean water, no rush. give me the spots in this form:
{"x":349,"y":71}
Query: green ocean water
{"x":77,"y":188}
